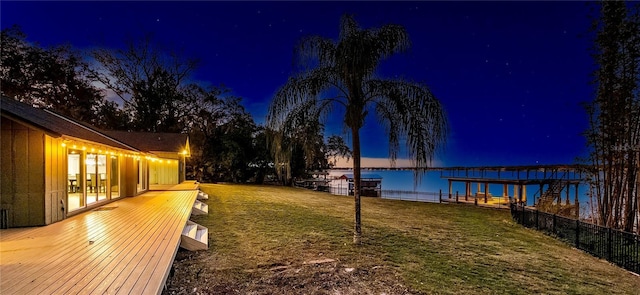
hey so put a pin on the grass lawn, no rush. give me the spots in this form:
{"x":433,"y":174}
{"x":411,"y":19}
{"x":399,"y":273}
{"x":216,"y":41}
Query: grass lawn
{"x":274,"y":240}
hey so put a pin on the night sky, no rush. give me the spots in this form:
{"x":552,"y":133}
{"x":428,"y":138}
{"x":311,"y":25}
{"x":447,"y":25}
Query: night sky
{"x":511,"y":75}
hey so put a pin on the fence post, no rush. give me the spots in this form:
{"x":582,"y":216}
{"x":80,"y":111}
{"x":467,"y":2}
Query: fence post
{"x":440,"y":199}
{"x":456,"y":196}
{"x":578,"y":233}
{"x":637,"y":251}
{"x":609,"y":244}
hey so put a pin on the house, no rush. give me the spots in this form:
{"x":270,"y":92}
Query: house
{"x":54,"y":167}
{"x":370,"y":184}
{"x":170,"y":150}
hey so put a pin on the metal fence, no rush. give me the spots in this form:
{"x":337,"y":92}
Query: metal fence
{"x":619,"y":247}
{"x":429,"y":197}
{"x":396,"y":195}
{"x":411,"y":196}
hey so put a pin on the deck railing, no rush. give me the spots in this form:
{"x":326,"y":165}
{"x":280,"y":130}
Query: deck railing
{"x":619,"y":247}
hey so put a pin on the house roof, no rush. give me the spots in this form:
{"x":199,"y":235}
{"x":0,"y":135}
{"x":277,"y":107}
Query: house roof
{"x":153,"y":142}
{"x":55,"y":124}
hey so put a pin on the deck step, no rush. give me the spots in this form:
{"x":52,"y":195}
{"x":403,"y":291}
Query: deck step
{"x":200,"y":208}
{"x":194,"y":237}
{"x":202,"y":195}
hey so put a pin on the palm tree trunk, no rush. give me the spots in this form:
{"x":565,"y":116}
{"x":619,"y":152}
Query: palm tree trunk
{"x":357,"y":233}
{"x":638,"y":198}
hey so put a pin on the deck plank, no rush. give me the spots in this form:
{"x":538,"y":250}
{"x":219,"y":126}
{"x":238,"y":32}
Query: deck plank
{"x":14,"y":271}
{"x":187,"y":185}
{"x":129,"y":248}
{"x":150,"y":257}
{"x":109,"y":270}
{"x":129,"y":277}
{"x":97,"y":226}
{"x":146,"y":282}
{"x":91,"y":267}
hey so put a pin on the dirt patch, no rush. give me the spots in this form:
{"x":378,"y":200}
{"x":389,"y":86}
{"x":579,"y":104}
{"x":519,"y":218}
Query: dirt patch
{"x":320,"y":261}
{"x":192,"y":275}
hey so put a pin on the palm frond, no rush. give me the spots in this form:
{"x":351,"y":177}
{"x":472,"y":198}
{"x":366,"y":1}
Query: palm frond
{"x":360,"y":51}
{"x":348,"y":26}
{"x":315,"y":51}
{"x":412,"y":112}
{"x":299,"y":90}
{"x":392,"y":39}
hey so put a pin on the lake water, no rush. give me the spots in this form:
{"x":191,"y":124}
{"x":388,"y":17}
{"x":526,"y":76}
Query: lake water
{"x":432,"y":182}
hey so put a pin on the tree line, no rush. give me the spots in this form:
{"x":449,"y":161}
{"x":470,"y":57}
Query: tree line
{"x":614,"y":117}
{"x":142,"y":87}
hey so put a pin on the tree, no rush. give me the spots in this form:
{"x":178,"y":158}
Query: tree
{"x":150,"y":83}
{"x":209,"y":116}
{"x":298,"y":146}
{"x":336,"y":147}
{"x":110,"y":116}
{"x":614,"y":117}
{"x":156,"y":93}
{"x":231,"y":149}
{"x":262,"y":163}
{"x":342,"y":73}
{"x":53,"y":78}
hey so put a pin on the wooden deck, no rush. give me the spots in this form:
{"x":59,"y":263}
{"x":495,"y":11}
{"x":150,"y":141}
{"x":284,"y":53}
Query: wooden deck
{"x":125,"y":247}
{"x":186,"y":185}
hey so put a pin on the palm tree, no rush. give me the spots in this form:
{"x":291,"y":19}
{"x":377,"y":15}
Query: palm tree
{"x":342,"y":73}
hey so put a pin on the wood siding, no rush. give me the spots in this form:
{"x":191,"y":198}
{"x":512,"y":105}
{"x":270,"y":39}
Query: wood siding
{"x":55,"y":191}
{"x":23,"y":168}
{"x":163,"y":173}
{"x":178,"y":170}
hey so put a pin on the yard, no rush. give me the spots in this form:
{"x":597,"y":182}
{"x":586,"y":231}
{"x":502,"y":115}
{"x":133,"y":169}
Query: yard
{"x":274,"y":240}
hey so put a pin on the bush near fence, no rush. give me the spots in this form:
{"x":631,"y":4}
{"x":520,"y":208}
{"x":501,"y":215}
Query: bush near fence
{"x":619,"y":247}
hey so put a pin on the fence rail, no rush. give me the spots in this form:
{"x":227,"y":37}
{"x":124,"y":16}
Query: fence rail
{"x":430,"y":197}
{"x":619,"y":247}
{"x":411,"y":196}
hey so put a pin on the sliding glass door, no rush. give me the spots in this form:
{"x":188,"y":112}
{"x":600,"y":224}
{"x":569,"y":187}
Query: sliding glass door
{"x":75,"y":179}
{"x":92,"y":177}
{"x":96,"y":185}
